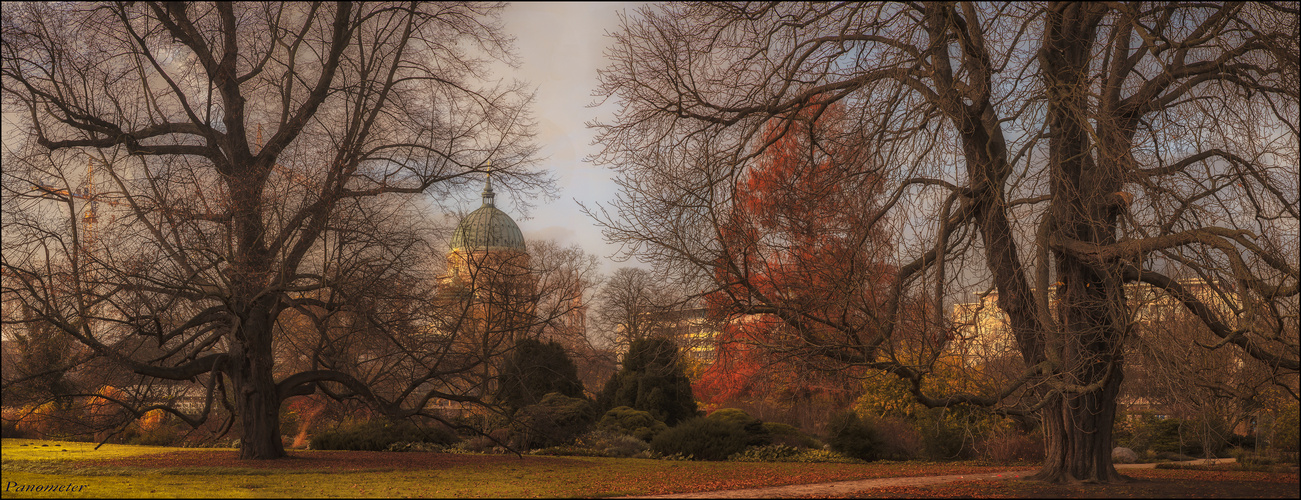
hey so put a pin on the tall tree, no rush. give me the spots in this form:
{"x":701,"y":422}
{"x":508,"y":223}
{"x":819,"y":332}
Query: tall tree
{"x":628,"y":304}
{"x":533,"y":370}
{"x":1085,"y":145}
{"x":248,"y":160}
{"x":801,"y":252}
{"x":651,"y":380}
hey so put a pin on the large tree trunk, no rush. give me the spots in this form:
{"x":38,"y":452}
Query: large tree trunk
{"x":1088,"y":337}
{"x":256,"y":399}
{"x":1077,"y":430}
{"x":1077,"y":433}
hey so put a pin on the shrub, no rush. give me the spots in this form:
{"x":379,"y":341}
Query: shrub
{"x":701,"y":438}
{"x":1011,"y":445}
{"x":945,"y":434}
{"x":769,"y":453}
{"x":898,"y":437}
{"x":1287,"y":438}
{"x":416,"y":446}
{"x":852,"y":436}
{"x":789,"y":435}
{"x":9,"y":429}
{"x":378,"y":435}
{"x":756,"y":433}
{"x":481,"y":443}
{"x":157,"y":435}
{"x":555,"y":420}
{"x":535,"y":369}
{"x":630,"y":422}
{"x":611,"y":444}
{"x":1178,"y":436}
{"x":823,"y":456}
{"x":732,"y":415}
{"x":1243,"y":442}
{"x":653,"y":380}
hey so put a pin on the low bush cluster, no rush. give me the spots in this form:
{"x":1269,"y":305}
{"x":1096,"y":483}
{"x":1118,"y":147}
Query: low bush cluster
{"x":899,"y":439}
{"x":756,"y":433}
{"x":822,"y":457}
{"x":1012,"y":445}
{"x":730,"y":432}
{"x":948,"y":434}
{"x":1170,"y":435}
{"x":702,"y":438}
{"x":627,"y":421}
{"x":789,"y":435}
{"x":853,"y":436}
{"x":378,"y":435}
{"x":611,"y":444}
{"x":768,"y":453}
{"x":554,"y":421}
{"x":417,"y":446}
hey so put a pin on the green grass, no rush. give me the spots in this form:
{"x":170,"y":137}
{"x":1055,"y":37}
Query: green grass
{"x":528,"y":477}
{"x":43,"y":451}
{"x":394,"y":475}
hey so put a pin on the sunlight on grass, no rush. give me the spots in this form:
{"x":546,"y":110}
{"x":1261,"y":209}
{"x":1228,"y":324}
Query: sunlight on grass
{"x":81,"y":474}
{"x":37,"y":450}
{"x":27,"y":463}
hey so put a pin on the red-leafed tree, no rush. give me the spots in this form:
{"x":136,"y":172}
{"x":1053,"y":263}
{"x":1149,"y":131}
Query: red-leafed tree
{"x":802,"y":251}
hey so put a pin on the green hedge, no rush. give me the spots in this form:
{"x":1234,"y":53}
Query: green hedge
{"x":702,"y":439}
{"x":378,"y":435}
{"x":853,"y":436}
{"x":629,"y":422}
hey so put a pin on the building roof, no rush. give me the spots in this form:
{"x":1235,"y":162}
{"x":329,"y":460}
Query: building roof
{"x":488,"y":228}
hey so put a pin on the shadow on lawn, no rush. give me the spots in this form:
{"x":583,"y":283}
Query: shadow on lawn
{"x":1144,"y":483}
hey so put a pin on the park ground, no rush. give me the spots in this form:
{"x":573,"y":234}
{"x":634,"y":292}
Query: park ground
{"x":126,"y":471}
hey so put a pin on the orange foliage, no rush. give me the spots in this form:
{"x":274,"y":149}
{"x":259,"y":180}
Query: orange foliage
{"x":152,"y":420}
{"x":800,"y":239}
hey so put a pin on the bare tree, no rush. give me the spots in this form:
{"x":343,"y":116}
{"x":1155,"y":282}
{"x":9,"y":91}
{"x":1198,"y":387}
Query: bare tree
{"x":627,"y":305}
{"x":248,"y":160}
{"x":1020,"y":145}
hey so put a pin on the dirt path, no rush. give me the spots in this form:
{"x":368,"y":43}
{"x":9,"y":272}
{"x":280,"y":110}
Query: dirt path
{"x":851,"y":487}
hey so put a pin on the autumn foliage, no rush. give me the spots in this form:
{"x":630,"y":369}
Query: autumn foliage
{"x":802,"y":260}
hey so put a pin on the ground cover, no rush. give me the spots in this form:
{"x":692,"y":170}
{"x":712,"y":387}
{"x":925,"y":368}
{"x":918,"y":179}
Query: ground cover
{"x":157,"y":472}
{"x":130,"y":471}
{"x":1144,"y":483}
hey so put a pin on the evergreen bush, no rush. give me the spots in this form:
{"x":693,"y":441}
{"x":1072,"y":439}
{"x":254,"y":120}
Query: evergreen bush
{"x":1286,"y":425}
{"x":789,"y":435}
{"x":555,"y":420}
{"x":702,"y":439}
{"x":899,"y":439}
{"x":769,"y":453}
{"x":756,"y":433}
{"x":630,"y":422}
{"x":611,"y":444}
{"x":852,"y":436}
{"x":378,"y":435}
{"x":535,"y":369}
{"x":653,"y":380}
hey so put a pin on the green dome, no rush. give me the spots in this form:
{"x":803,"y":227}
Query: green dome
{"x":488,"y":228}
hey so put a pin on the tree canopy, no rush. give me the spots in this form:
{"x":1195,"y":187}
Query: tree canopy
{"x":246,"y":185}
{"x":1059,"y":155}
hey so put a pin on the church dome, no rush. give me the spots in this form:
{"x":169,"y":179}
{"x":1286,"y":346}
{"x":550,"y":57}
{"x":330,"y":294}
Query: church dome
{"x":488,"y":228}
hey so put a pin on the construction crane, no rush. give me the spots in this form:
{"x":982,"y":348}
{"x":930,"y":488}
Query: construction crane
{"x":87,"y":193}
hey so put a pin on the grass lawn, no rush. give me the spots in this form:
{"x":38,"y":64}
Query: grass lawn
{"x":1144,"y":483}
{"x":140,"y":471}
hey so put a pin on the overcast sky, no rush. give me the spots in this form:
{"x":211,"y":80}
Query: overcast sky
{"x":560,"y":46}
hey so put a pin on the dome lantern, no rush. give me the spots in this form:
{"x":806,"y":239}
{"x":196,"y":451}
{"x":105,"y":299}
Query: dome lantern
{"x":488,"y":228}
